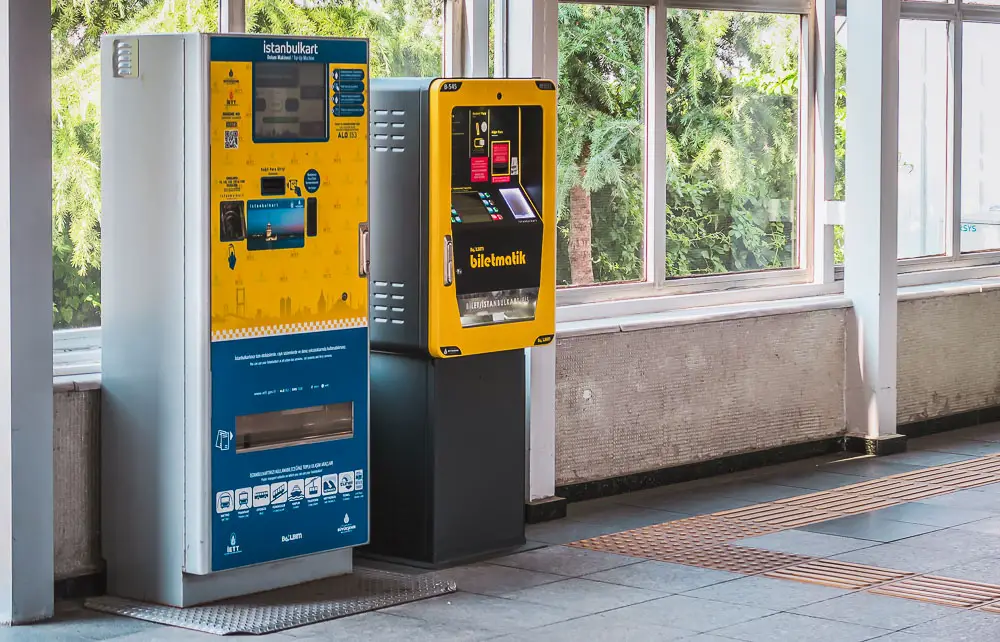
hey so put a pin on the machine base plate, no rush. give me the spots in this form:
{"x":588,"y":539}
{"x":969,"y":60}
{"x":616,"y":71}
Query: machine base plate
{"x":364,"y":590}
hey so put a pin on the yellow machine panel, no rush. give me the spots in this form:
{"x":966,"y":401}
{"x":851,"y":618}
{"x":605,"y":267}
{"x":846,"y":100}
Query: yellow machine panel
{"x":492,"y":215}
{"x":289,"y":200}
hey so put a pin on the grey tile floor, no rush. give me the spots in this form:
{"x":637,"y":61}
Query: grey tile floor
{"x":553,"y":592}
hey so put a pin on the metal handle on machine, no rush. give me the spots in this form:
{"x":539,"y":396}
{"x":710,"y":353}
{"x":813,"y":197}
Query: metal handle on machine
{"x":449,"y":261}
{"x":364,"y":245}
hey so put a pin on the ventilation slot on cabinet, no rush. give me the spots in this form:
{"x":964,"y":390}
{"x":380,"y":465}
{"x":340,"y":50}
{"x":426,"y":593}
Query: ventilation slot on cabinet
{"x":381,"y":320}
{"x":398,"y":135}
{"x":398,"y":322}
{"x":126,"y":58}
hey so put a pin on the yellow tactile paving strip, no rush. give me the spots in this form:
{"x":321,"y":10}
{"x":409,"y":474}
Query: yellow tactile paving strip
{"x":706,"y":541}
{"x":842,"y":575}
{"x":941,"y":590}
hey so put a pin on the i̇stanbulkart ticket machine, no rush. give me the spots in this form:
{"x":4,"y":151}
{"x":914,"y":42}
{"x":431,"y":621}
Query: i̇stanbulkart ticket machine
{"x":462,"y":282}
{"x":235,"y":297}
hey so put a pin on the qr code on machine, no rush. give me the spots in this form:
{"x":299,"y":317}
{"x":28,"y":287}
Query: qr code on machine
{"x":232,"y":139}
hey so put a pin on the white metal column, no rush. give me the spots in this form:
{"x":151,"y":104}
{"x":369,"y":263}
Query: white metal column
{"x":467,"y":41}
{"x":232,"y":16}
{"x":26,"y":536}
{"x":532,"y":51}
{"x":870,"y":277}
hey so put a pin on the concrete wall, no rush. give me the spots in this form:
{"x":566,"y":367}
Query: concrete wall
{"x":77,"y":452}
{"x":949,"y":355}
{"x":629,"y":402}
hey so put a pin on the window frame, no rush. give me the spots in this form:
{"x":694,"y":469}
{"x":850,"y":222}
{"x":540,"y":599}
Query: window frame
{"x":656,"y":284}
{"x":953,"y":264}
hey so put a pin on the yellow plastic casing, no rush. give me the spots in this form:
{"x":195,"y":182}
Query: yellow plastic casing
{"x":444,"y":326}
{"x":320,"y":286}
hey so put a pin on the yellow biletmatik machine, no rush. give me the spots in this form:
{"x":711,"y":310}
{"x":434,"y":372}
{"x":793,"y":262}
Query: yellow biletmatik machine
{"x":463,"y":223}
{"x":235,"y":288}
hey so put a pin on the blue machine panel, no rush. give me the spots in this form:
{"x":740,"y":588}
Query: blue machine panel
{"x":280,"y":502}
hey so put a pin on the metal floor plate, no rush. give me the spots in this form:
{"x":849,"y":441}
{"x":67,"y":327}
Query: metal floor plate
{"x":278,"y":610}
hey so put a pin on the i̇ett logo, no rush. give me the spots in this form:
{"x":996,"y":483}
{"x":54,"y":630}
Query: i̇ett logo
{"x":233,"y":547}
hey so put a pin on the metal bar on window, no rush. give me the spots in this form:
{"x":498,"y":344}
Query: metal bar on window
{"x":500,"y":31}
{"x":979,"y":13}
{"x":533,"y":39}
{"x":232,"y":16}
{"x":953,"y":214}
{"x":917,"y":10}
{"x":807,"y":228}
{"x":655,"y":189}
{"x":454,"y":30}
{"x":476,"y":40}
{"x":824,"y":57}
{"x":757,"y":6}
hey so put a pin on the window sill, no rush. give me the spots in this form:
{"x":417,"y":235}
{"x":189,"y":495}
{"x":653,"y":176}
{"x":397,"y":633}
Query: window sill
{"x":692,"y":316}
{"x":716,"y":313}
{"x":952,"y":288}
{"x":76,"y":383}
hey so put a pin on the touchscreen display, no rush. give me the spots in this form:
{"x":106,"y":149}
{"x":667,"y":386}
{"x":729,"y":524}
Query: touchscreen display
{"x":469,"y":208}
{"x":290,"y":101}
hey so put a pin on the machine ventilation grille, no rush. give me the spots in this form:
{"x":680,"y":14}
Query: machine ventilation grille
{"x":126,"y":52}
{"x":387,"y":302}
{"x":386,"y":120}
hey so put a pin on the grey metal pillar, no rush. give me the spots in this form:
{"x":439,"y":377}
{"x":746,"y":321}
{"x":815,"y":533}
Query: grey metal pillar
{"x":26,"y":537}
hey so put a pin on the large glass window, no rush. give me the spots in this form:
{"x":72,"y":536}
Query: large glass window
{"x":77,"y":26}
{"x":601,"y":210}
{"x":732,"y":141}
{"x":980,"y":138}
{"x":923,"y":137}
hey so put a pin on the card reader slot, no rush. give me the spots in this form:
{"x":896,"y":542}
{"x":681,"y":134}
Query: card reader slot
{"x":311,"y":216}
{"x":272,"y":185}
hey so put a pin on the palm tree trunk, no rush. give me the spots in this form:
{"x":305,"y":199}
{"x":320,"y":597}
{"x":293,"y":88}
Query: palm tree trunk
{"x":581,"y":263}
